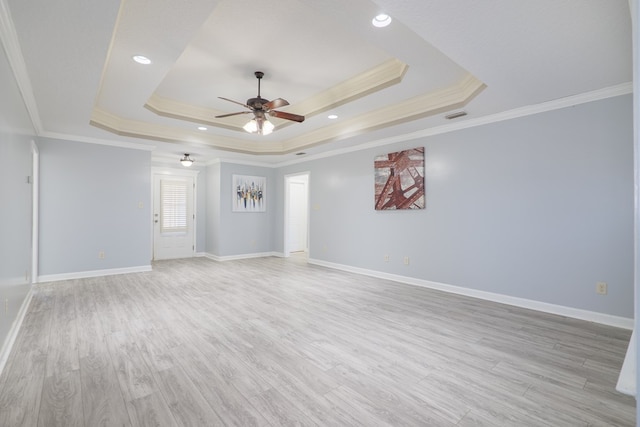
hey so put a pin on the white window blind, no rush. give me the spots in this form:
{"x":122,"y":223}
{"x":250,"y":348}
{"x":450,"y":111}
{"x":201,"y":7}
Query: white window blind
{"x":173,"y":206}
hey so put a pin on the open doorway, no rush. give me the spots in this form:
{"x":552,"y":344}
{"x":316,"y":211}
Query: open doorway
{"x":296,"y":210}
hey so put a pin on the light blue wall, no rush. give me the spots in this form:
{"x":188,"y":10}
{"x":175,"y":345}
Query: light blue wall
{"x":16,"y":134}
{"x":89,"y":202}
{"x":233,"y":233}
{"x":539,"y":207}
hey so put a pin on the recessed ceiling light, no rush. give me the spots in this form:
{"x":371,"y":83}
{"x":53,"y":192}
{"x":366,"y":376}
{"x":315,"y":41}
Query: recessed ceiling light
{"x":202,"y":128}
{"x":141,"y":59}
{"x":332,"y":116}
{"x":381,"y":20}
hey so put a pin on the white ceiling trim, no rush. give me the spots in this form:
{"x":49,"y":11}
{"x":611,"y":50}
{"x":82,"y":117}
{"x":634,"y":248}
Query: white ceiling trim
{"x":384,"y":75}
{"x":415,"y":108}
{"x":610,"y":92}
{"x":453,"y":97}
{"x":125,"y":127}
{"x":11,"y":45}
{"x":88,"y":140}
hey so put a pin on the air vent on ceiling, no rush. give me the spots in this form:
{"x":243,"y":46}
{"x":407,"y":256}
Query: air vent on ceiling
{"x":455,"y":115}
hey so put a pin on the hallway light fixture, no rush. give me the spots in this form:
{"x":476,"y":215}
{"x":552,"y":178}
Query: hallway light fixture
{"x":186,"y":160}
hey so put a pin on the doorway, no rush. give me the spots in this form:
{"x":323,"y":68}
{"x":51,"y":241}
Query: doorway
{"x":296,"y":227}
{"x":173,"y":215}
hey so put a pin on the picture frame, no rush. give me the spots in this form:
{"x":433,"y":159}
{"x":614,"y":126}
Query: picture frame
{"x":249,"y":193}
{"x":399,"y":180}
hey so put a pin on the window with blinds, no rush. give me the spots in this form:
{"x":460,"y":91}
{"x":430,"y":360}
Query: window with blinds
{"x":173,"y":206}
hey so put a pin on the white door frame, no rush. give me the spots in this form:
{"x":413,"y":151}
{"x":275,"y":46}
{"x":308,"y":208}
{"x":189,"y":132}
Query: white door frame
{"x":287,"y":178}
{"x":164,"y":171}
{"x":35,"y":224}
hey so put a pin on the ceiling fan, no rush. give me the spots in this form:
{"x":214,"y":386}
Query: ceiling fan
{"x":261,"y":107}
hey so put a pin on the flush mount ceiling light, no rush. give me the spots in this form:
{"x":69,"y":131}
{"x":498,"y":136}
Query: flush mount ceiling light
{"x":381,"y":20}
{"x":332,"y":116}
{"x":140,"y":59}
{"x":202,"y":128}
{"x":186,"y":160}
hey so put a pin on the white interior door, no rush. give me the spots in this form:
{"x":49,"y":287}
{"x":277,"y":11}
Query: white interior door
{"x":298,"y":213}
{"x":173,"y":217}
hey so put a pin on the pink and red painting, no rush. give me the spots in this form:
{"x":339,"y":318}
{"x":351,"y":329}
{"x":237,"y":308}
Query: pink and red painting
{"x":400,"y":180}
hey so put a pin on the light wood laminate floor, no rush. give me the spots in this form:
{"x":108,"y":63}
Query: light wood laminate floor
{"x":275,"y":342}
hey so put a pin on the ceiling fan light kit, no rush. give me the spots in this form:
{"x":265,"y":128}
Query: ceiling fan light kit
{"x":260,"y":107}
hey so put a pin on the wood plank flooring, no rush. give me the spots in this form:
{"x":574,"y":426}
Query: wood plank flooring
{"x":277,"y":342}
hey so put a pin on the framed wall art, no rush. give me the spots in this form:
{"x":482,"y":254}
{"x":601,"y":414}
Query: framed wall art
{"x":399,"y":180}
{"x":249,"y":193}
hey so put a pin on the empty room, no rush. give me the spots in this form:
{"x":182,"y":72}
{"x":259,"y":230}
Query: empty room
{"x":318,"y":213}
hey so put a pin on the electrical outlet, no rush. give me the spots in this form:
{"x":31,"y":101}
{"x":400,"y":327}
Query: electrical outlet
{"x":386,"y":258}
{"x":406,"y":260}
{"x":6,"y":306}
{"x":101,"y":254}
{"x":601,"y":288}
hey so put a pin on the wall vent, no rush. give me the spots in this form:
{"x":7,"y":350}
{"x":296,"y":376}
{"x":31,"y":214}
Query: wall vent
{"x":455,"y":115}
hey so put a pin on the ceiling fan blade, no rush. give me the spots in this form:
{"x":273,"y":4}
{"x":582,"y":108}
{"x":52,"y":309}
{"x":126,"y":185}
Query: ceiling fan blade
{"x":276,"y":103}
{"x":235,"y":102}
{"x":232,"y":114}
{"x":286,"y":116}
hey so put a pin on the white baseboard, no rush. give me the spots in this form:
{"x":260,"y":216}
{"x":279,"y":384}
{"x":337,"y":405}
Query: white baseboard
{"x":93,"y":273}
{"x":13,"y":332}
{"x":200,"y":254}
{"x":241,"y":256}
{"x":627,"y":378}
{"x":576,"y":313}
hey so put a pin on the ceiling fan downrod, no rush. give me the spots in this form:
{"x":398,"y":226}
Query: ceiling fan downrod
{"x":259,"y":75}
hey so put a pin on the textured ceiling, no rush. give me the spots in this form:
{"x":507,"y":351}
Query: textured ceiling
{"x":486,"y":57}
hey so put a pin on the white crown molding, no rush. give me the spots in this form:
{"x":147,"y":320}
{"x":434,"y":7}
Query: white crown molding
{"x":11,"y":44}
{"x":120,"y":126}
{"x":380,"y":77}
{"x":596,"y":95}
{"x":452,"y":97}
{"x":221,"y":160}
{"x":421,"y":106}
{"x":166,"y":107}
{"x":387,"y":74}
{"x":89,"y":140}
{"x":575,"y":313}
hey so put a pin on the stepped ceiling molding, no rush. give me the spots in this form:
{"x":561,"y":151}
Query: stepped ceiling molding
{"x":73,"y":62}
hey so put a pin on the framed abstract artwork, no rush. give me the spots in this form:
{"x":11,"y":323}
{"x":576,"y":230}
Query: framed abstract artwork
{"x":399,"y":180}
{"x":249,"y":193}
